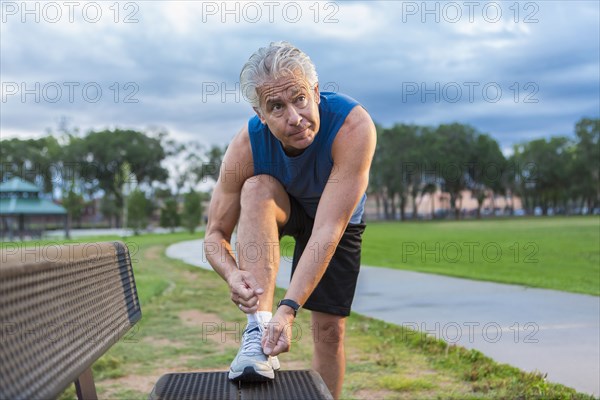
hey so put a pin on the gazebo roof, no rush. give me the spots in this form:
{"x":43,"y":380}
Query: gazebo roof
{"x":16,"y":206}
{"x":25,"y":204}
{"x":17,"y":184}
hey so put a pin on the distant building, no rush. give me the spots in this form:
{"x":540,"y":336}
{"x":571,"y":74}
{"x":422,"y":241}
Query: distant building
{"x":23,"y":210}
{"x":439,"y":205}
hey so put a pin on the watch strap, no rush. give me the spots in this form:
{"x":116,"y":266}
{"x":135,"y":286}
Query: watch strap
{"x":290,"y":303}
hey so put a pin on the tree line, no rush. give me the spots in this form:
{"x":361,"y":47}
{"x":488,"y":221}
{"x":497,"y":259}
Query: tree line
{"x":559,"y":172}
{"x":124,"y":168}
{"x":127,"y":169}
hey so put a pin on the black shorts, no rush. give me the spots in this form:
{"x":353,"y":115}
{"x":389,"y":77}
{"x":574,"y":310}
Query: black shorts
{"x":335,"y":291}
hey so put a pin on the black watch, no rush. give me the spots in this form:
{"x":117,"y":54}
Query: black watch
{"x":290,"y":303}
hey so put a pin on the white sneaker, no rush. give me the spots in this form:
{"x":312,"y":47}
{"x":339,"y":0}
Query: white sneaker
{"x":251,"y":364}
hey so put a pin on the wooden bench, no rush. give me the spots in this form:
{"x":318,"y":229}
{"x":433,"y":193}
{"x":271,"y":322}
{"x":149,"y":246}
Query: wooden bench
{"x":62,"y":307}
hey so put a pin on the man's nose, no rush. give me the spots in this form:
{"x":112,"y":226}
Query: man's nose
{"x":294,"y":118}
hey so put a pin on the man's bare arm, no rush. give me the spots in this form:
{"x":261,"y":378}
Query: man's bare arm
{"x":352,"y":153}
{"x":225,"y":206}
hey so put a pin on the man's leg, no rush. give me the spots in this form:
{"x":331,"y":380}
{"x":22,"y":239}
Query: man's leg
{"x":265,"y":207}
{"x":329,"y":357}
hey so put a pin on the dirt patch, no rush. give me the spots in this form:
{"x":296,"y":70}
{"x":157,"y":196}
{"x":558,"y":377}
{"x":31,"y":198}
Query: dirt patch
{"x":189,"y":276}
{"x":178,"y":364}
{"x":141,"y":383}
{"x":153,"y":253}
{"x":356,"y":357}
{"x":378,"y":394}
{"x":288,"y":365}
{"x":199,"y":319}
{"x":223,"y":335}
{"x":162,"y":342}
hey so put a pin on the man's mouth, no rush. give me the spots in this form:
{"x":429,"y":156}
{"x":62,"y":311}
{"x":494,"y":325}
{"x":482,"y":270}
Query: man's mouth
{"x":299,"y":132}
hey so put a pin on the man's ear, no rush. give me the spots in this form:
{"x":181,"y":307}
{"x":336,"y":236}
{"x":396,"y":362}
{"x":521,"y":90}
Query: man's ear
{"x":317,"y":93}
{"x":260,"y":116}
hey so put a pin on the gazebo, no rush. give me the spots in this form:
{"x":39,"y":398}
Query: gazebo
{"x":20,"y":199}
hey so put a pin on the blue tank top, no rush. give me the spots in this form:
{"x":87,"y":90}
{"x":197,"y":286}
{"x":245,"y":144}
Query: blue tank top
{"x":304,"y":176}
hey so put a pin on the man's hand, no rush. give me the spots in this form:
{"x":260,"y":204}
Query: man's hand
{"x":277,"y":338}
{"x":244,"y":291}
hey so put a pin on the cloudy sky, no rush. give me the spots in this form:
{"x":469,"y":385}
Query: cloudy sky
{"x":515,"y":70}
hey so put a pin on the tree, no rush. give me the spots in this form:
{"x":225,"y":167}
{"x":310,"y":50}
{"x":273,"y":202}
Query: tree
{"x":211,"y":168}
{"x":389,"y":166}
{"x":76,"y":169}
{"x":108,"y":151}
{"x":486,"y":170}
{"x":34,"y":160}
{"x":108,"y":208}
{"x":137,"y":211}
{"x":396,"y":168}
{"x":376,"y":185}
{"x":169,"y":216}
{"x":430,"y":189}
{"x":192,"y":210}
{"x":403,"y":153}
{"x":586,"y":164}
{"x":73,"y":202}
{"x":202,"y":166}
{"x":449,"y":151}
{"x":163,"y":194}
{"x":544,"y":172}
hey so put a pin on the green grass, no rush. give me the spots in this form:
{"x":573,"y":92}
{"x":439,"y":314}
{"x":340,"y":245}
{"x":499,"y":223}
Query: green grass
{"x":189,"y":324}
{"x":403,"y":384}
{"x":561,"y":253}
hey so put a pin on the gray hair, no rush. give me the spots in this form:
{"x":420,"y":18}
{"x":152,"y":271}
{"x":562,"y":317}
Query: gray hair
{"x":273,"y":62}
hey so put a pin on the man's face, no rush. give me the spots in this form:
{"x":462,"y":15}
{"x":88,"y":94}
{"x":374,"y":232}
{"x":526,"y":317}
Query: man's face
{"x":290,"y":108}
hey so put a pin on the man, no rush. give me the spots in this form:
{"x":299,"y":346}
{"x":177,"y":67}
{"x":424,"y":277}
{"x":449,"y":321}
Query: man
{"x":300,"y":168}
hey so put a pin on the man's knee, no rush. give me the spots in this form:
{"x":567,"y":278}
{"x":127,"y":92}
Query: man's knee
{"x":329,"y":331}
{"x":261,"y":189}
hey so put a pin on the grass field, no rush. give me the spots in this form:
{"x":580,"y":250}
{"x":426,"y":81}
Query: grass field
{"x":561,"y":253}
{"x":189,"y":324}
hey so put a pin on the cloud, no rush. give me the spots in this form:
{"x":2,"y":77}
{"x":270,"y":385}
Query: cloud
{"x":181,"y":60}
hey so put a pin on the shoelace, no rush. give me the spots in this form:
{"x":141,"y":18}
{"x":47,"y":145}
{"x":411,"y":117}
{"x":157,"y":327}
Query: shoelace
{"x":251,"y":341}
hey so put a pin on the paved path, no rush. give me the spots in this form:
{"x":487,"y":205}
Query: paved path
{"x":79,"y":233}
{"x":533,"y":329}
